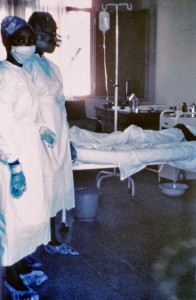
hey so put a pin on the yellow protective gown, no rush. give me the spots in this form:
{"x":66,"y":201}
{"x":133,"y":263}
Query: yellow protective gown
{"x":57,"y":164}
{"x":24,"y":222}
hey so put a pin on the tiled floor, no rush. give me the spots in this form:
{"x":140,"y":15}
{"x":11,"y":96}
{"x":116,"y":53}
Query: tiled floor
{"x":121,"y":249}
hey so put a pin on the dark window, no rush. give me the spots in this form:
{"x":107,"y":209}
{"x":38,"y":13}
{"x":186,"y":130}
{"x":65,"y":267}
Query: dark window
{"x":133,"y":54}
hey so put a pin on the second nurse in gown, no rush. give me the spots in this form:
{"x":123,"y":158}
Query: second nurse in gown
{"x":48,"y":83}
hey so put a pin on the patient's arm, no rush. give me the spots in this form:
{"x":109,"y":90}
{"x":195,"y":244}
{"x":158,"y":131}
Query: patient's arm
{"x":189,"y":136}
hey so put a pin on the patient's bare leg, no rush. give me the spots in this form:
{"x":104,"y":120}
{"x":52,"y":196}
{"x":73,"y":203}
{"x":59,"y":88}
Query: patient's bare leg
{"x":189,"y":136}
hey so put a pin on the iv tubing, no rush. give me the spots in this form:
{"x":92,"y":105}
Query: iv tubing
{"x":105,"y":68}
{"x":129,"y":7}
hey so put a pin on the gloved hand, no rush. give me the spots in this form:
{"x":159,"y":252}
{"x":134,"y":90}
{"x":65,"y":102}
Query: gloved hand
{"x":17,"y":184}
{"x":48,"y":136}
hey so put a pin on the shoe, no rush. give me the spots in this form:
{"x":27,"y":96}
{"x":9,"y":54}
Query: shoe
{"x":61,"y":249}
{"x":27,"y":265}
{"x":33,"y":279}
{"x":21,"y":295}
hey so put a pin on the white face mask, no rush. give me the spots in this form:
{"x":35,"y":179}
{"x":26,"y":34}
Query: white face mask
{"x":22,"y":53}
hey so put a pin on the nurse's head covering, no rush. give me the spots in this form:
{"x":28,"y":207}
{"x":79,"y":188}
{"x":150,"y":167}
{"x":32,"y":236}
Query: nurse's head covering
{"x":40,"y":21}
{"x":10,"y":25}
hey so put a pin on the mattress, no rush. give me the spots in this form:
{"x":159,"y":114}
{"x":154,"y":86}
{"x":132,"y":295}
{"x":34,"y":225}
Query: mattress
{"x":130,"y":161}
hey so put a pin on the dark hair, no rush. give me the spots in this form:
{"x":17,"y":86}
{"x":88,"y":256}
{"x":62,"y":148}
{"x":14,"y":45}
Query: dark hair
{"x":39,"y":20}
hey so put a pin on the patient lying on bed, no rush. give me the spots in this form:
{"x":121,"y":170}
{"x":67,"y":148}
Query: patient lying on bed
{"x":132,"y":136}
{"x":135,"y":148}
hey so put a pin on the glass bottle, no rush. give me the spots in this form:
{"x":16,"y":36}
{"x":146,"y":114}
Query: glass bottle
{"x":184,"y":107}
{"x":133,"y":103}
{"x":193,"y":108}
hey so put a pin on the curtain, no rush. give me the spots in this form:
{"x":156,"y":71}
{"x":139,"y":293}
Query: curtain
{"x":22,"y":8}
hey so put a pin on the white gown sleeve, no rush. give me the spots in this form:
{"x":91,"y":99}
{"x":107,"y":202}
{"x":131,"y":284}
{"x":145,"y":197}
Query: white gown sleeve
{"x":61,"y":98}
{"x":8,"y":148}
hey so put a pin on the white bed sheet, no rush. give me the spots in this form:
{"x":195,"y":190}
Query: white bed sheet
{"x":181,"y":155}
{"x":130,"y":160}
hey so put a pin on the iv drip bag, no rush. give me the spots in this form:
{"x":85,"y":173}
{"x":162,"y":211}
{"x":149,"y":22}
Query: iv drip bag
{"x":104,"y":21}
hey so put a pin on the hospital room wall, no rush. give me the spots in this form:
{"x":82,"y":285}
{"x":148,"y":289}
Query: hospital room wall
{"x":175,"y":52}
{"x":150,"y":6}
{"x":172,"y":62}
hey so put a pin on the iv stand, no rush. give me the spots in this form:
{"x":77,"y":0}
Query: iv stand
{"x":105,"y":174}
{"x":129,"y":7}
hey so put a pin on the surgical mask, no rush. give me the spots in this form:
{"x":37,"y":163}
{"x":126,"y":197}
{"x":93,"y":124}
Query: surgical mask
{"x":22,"y":53}
{"x":42,"y":45}
{"x":53,"y":38}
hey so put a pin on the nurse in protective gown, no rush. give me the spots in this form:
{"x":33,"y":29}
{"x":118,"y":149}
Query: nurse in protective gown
{"x":48,"y":83}
{"x":24,"y":210}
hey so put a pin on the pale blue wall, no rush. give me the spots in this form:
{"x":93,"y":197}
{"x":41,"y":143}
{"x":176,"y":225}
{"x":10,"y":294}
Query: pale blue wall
{"x":175,"y":74}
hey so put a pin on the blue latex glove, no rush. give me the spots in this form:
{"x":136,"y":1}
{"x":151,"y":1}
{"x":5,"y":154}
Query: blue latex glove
{"x":17,"y":184}
{"x":48,"y":136}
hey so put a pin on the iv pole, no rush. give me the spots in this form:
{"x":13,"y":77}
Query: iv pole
{"x":104,"y":8}
{"x":105,"y":174}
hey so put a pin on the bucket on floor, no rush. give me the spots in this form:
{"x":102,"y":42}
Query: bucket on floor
{"x":86,"y":204}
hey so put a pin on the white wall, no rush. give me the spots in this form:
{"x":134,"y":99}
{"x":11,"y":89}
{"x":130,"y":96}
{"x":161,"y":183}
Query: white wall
{"x":175,"y":67}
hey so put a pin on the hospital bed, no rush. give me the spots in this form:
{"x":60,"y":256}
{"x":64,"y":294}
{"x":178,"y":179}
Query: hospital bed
{"x":131,"y":159}
{"x":131,"y":152}
{"x":129,"y":162}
